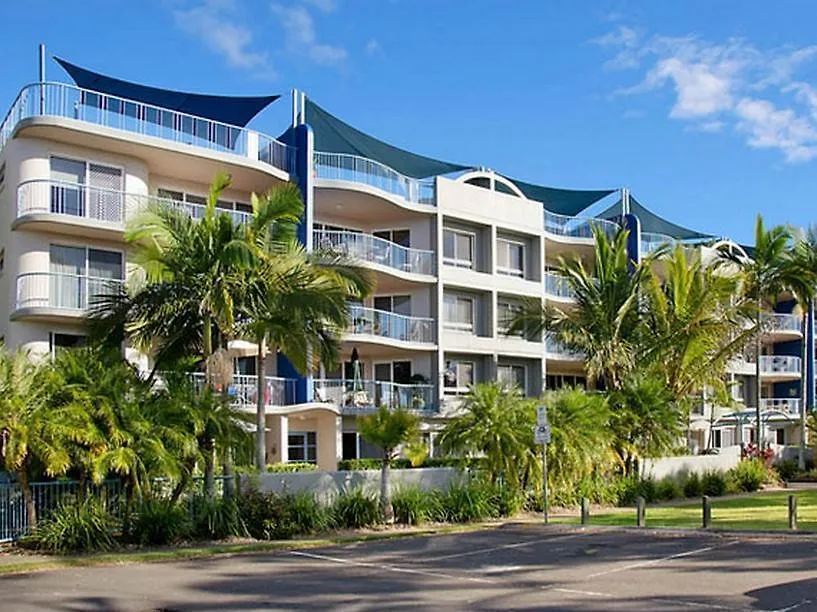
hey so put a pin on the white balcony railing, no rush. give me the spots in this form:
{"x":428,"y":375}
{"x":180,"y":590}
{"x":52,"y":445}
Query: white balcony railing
{"x":577,"y":227}
{"x":243,"y":391}
{"x":779,"y":364}
{"x":355,"y":169}
{"x":558,"y":287}
{"x":368,"y":395}
{"x":555,"y":349}
{"x":62,"y":291}
{"x":787,"y":405}
{"x":376,"y":250}
{"x":782,"y":323}
{"x":63,"y":100}
{"x":651,"y":241}
{"x":384,"y":324}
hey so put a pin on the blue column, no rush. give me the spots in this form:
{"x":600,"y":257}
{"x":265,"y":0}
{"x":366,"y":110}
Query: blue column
{"x":303,"y":177}
{"x":633,"y":225}
{"x":810,"y":373}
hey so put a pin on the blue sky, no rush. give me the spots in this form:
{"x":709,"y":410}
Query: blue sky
{"x":706,"y":110}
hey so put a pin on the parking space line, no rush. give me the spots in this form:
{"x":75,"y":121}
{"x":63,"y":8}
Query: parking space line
{"x":649,"y":562}
{"x":391,"y":568}
{"x":657,"y":600}
{"x":480,"y":551}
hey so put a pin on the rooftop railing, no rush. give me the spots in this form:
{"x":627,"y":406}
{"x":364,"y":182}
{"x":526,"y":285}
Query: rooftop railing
{"x":558,"y":287}
{"x":577,"y":227}
{"x":63,"y":100}
{"x":68,"y":292}
{"x":384,"y":324}
{"x":367,"y":395}
{"x":376,"y":250}
{"x":779,"y":364}
{"x":651,"y":241}
{"x":355,"y":169}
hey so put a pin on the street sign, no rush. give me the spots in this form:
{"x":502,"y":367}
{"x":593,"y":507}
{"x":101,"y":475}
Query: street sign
{"x":541,"y":434}
{"x":542,"y":415}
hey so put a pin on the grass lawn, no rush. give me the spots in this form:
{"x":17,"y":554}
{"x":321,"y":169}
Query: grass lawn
{"x":761,"y":511}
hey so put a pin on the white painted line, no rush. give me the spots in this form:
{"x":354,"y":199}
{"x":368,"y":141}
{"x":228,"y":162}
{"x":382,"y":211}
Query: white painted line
{"x":578,"y":592}
{"x":800,"y":604}
{"x":676,"y":602}
{"x":390,"y":568}
{"x":481,"y":551}
{"x":632,"y":566}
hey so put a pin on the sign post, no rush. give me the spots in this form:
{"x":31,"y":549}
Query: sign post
{"x":541,"y":436}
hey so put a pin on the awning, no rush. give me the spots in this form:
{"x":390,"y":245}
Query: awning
{"x":562,"y":201}
{"x":652,"y":223}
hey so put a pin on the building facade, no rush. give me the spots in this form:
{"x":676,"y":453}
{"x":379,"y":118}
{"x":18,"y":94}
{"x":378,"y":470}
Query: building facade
{"x":454,"y":255}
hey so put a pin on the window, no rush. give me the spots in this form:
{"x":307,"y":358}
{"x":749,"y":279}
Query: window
{"x":510,"y":257}
{"x":78,"y":273}
{"x":303,"y":446}
{"x":198,"y":202}
{"x":245,"y":366}
{"x":57,"y":342}
{"x":458,"y":312}
{"x":458,"y":248}
{"x":717,"y":438}
{"x":459,"y":375}
{"x":512,"y":375}
{"x":80,"y":189}
{"x":506,"y":311}
{"x":401,"y":237}
{"x":780,"y":436}
{"x":558,"y":381}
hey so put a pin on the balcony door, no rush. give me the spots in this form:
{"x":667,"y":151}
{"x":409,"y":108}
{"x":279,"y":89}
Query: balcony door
{"x":393,"y":327}
{"x":81,"y":189}
{"x":67,"y":187}
{"x":390,"y":372}
{"x":78,"y":274}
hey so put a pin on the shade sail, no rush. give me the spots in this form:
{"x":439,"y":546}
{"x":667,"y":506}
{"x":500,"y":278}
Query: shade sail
{"x":652,"y":223}
{"x":562,"y":201}
{"x":334,"y":136}
{"x":233,"y":110}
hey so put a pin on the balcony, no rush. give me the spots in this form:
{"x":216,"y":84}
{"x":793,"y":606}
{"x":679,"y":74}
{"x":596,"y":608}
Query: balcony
{"x":354,"y":169}
{"x":651,"y":242}
{"x":577,"y":227}
{"x":68,"y":101}
{"x":787,"y":405}
{"x":46,"y":293}
{"x":243,"y":392}
{"x":779,"y":325}
{"x":391,"y":326}
{"x":556,"y":351}
{"x":376,"y":250}
{"x":365,"y":396}
{"x":780,"y":367}
{"x":557,"y":287}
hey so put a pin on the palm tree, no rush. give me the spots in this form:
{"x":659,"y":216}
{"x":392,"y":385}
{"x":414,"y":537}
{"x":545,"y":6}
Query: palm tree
{"x":387,"y":430}
{"x":764,"y":276}
{"x":803,"y":283}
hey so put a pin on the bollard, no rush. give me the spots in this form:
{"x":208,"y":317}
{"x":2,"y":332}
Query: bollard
{"x":640,"y":512}
{"x":585,"y":511}
{"x":792,"y":512}
{"x":706,"y":511}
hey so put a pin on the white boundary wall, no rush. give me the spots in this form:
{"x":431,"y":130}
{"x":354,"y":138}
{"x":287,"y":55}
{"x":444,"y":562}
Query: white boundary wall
{"x":662,"y":467}
{"x":326,"y":485}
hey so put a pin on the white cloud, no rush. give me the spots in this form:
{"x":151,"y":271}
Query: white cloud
{"x":213,"y":23}
{"x":300,"y":35}
{"x":373,"y":47}
{"x":731,"y":84}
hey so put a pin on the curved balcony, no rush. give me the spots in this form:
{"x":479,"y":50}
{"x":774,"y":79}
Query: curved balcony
{"x":777,"y":324}
{"x":48,"y":293}
{"x":390,"y":325}
{"x":577,"y":227}
{"x":365,"y":396}
{"x":376,"y":250}
{"x":555,"y":350}
{"x":787,"y":405}
{"x":651,"y":241}
{"x":557,"y":287}
{"x":355,"y":169}
{"x":69,"y":101}
{"x":780,"y":367}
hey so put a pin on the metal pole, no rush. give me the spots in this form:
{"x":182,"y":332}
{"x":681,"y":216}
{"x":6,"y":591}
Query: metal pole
{"x":792,"y":512}
{"x":303,"y":107}
{"x":706,"y":519}
{"x":42,"y":79}
{"x":545,"y":480}
{"x":294,"y":107}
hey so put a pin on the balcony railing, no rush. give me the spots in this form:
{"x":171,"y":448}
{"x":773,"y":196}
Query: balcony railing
{"x":554,"y":348}
{"x":243,"y":391}
{"x":558,"y":287}
{"x":577,"y":227}
{"x":376,"y":250}
{"x":651,"y":241}
{"x":787,"y":405}
{"x":786,"y":323}
{"x":62,"y":291}
{"x":63,"y":100}
{"x":344,"y":167}
{"x":367,"y":395}
{"x":384,"y":324}
{"x":779,"y":364}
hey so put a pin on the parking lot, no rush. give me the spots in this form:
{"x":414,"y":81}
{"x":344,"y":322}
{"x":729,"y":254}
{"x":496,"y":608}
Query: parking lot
{"x":513,"y":567}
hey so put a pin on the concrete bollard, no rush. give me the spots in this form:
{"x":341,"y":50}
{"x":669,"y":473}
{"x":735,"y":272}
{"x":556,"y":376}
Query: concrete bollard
{"x":706,"y":512}
{"x":792,"y":512}
{"x":640,"y":512}
{"x":585,"y":511}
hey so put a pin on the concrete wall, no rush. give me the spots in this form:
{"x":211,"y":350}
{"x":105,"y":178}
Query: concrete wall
{"x":326,"y":485}
{"x":677,"y":466}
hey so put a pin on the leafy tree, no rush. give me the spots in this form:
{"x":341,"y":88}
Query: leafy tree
{"x":388,"y":430}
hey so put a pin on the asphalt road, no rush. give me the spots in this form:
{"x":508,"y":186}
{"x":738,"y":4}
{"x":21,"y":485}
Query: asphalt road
{"x":515,"y":567}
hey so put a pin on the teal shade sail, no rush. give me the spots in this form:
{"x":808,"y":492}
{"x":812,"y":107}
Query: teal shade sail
{"x":652,"y":223}
{"x":568,"y":202}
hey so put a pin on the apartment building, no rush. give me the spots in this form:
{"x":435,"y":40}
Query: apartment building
{"x":454,"y":250}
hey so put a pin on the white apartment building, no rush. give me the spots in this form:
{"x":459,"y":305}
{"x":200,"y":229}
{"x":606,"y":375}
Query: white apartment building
{"x":454,"y":254}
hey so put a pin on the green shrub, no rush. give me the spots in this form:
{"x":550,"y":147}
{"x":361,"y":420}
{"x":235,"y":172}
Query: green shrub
{"x":509,"y":501}
{"x":158,"y":521}
{"x":280,"y":516}
{"x":350,"y":465}
{"x":217,"y":519}
{"x":633,"y":487}
{"x":295,"y":466}
{"x":414,"y":506}
{"x":787,"y":469}
{"x":355,"y":509}
{"x":692,"y":485}
{"x":76,"y":526}
{"x":713,"y":484}
{"x":470,"y":501}
{"x":308,"y":514}
{"x":749,"y":474}
{"x":668,"y":489}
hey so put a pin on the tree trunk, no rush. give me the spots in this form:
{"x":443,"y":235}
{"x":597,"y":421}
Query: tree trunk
{"x":207,"y":337}
{"x":385,"y":492}
{"x":801,"y":452}
{"x":210,"y":469}
{"x":28,"y":496}
{"x":229,"y":473}
{"x":758,"y":424}
{"x":260,"y":410}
